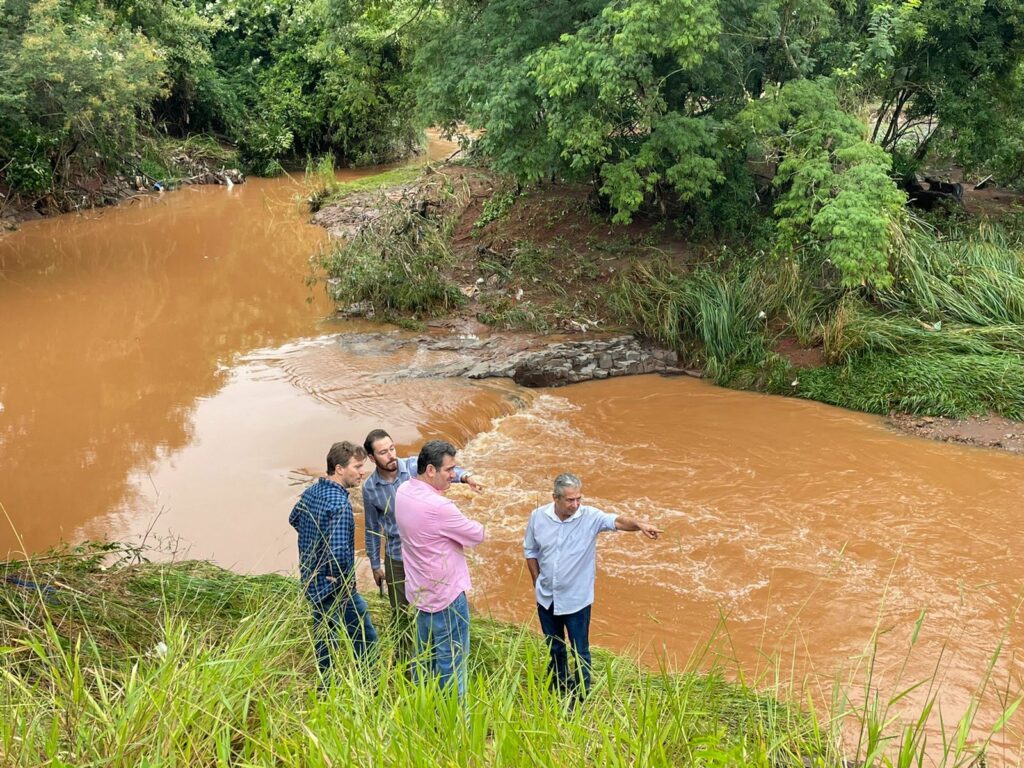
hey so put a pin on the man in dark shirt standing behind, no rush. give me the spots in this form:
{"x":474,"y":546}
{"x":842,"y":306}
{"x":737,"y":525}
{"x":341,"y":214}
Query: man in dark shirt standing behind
{"x":324,"y":521}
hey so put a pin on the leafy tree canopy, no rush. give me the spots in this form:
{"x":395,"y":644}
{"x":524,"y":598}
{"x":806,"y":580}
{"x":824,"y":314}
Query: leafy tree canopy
{"x":656,"y":99}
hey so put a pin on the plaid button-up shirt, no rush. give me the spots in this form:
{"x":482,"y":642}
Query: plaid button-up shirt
{"x":327,"y":539}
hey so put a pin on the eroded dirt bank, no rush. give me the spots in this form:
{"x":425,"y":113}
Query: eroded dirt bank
{"x":98,"y":189}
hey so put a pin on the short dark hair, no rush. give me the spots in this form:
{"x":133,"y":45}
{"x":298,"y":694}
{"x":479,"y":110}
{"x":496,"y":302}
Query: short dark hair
{"x":432,"y":455}
{"x":341,"y":454}
{"x":373,"y":437}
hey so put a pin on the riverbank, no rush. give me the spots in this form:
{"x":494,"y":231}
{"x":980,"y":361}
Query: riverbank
{"x":161,"y":165}
{"x":465,"y":250}
{"x":110,"y":659}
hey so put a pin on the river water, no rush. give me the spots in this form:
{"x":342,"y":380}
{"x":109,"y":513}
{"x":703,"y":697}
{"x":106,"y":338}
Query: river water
{"x":167,"y":373}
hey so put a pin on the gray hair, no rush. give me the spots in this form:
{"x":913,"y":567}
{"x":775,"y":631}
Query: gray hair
{"x":565,"y":481}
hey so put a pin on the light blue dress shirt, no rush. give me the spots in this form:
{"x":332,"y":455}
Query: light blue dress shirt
{"x":566,"y":552}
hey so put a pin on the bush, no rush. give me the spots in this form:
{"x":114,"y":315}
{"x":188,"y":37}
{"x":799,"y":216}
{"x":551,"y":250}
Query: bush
{"x":395,"y":265}
{"x":75,"y":85}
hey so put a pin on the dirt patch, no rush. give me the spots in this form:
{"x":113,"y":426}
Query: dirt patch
{"x":984,"y":431}
{"x":542,"y":259}
{"x":990,"y":201}
{"x":800,"y":357}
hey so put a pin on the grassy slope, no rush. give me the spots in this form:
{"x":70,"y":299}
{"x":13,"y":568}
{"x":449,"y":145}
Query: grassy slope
{"x":85,"y":681}
{"x":187,"y":664}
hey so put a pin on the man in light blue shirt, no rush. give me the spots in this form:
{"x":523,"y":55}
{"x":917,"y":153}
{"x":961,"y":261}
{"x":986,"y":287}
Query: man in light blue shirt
{"x":561,"y":548}
{"x":379,"y":509}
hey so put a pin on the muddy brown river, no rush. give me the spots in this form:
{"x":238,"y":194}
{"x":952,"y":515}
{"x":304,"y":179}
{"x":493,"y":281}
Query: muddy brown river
{"x":167,"y":374}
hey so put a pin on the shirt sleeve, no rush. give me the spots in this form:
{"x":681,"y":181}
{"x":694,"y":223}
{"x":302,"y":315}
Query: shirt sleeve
{"x":530,"y":549}
{"x":603,"y":521}
{"x":460,"y":528}
{"x":410,"y":465}
{"x":372,"y":534}
{"x":341,"y":559}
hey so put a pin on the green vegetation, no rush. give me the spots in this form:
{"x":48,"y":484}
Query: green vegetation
{"x":324,"y":186}
{"x":669,"y":108}
{"x":86,"y":84}
{"x":405,"y":174}
{"x":74,"y":85}
{"x":946,"y":338}
{"x":109,"y":660}
{"x":939,"y":384}
{"x":397,"y":263}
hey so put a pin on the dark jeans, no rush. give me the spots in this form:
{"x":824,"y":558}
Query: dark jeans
{"x":401,"y":614}
{"x":328,"y":619}
{"x":577,"y":627}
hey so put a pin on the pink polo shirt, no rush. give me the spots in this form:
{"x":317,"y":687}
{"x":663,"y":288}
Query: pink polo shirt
{"x":433,"y":532}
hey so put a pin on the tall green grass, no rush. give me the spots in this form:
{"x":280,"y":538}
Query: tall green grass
{"x":946,"y":339}
{"x":719,"y":316}
{"x":940,"y":384}
{"x":186,"y":664}
{"x":719,"y":312}
{"x":974,"y":277}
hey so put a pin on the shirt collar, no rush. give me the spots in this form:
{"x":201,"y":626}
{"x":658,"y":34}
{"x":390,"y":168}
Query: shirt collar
{"x":333,"y":484}
{"x":376,"y":479}
{"x":549,"y":510}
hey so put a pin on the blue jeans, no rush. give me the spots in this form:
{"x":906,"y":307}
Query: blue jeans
{"x":328,"y":619}
{"x":577,"y":627}
{"x":442,"y":642}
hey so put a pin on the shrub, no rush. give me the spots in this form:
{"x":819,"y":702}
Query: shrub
{"x":75,"y":85}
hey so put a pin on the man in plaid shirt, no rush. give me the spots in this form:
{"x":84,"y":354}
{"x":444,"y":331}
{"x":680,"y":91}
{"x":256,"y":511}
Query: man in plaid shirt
{"x":324,"y":521}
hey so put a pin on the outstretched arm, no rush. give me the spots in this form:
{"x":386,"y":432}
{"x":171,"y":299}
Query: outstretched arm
{"x":629,"y":524}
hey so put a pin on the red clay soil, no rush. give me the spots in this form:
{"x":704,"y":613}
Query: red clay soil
{"x":989,"y":201}
{"x":583,"y":249}
{"x":799,"y":357}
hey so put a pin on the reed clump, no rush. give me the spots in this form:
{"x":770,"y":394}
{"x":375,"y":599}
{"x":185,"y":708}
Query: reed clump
{"x":107,"y":660}
{"x":946,"y":338}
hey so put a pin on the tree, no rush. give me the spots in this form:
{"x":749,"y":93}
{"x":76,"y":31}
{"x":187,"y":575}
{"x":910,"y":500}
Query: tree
{"x":75,"y":86}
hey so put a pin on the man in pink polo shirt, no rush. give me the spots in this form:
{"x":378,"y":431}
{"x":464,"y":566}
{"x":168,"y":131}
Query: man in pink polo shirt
{"x":433,"y":533}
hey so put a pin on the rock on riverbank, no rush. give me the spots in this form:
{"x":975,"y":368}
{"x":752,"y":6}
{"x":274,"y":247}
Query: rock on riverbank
{"x":529,"y":360}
